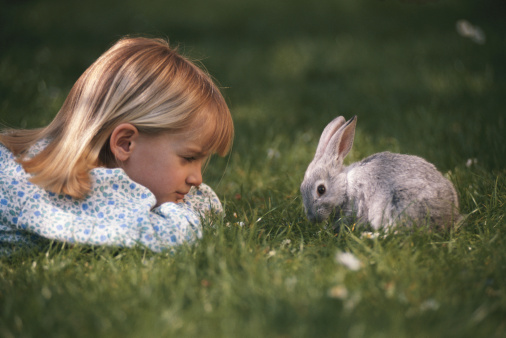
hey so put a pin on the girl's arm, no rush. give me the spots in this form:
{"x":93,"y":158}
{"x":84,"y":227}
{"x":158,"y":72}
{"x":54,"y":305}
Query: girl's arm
{"x":203,"y":200}
{"x":126,"y":225}
{"x":118,"y":213}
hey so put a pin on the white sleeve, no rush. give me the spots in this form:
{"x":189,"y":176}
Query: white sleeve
{"x":117,"y":212}
{"x":203,"y":200}
{"x":170,"y":224}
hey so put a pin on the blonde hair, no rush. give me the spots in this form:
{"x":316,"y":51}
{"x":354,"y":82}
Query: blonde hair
{"x":139,"y":81}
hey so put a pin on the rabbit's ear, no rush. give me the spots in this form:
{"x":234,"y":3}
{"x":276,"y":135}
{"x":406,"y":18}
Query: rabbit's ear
{"x":342,"y":141}
{"x":327,"y":134}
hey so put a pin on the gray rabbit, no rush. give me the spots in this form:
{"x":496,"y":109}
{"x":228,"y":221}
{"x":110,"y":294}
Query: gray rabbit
{"x":383,"y":190}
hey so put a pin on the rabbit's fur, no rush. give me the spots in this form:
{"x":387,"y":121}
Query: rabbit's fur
{"x":382,"y":190}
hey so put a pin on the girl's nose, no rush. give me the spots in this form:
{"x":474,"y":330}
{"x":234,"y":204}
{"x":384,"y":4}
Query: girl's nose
{"x":194,"y":178}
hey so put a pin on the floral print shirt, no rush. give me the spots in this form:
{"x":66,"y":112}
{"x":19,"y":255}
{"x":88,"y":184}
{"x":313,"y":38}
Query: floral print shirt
{"x":117,"y":211}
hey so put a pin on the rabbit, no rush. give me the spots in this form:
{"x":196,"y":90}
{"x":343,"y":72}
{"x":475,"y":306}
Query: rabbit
{"x":382,"y":190}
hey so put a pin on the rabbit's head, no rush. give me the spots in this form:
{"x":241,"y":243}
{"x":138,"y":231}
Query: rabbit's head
{"x":324,"y":185}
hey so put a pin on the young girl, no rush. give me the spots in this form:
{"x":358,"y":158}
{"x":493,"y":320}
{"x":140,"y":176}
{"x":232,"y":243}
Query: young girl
{"x":121,"y":162}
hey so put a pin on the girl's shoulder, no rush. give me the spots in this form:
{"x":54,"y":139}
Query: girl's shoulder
{"x":114,"y":183}
{"x":107,"y":185}
{"x":6,"y":154}
{"x":38,"y":147}
{"x":7,"y":160}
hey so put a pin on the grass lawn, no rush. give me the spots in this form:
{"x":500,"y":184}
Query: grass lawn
{"x":287,"y":68}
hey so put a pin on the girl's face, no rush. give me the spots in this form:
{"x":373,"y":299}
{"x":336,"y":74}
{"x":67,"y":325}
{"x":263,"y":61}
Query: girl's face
{"x":168,"y":165}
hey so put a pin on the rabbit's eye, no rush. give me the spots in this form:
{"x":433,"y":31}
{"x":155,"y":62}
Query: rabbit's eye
{"x":321,"y":189}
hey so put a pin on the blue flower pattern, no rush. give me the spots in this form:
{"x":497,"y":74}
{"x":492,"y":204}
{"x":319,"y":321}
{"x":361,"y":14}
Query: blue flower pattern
{"x":117,"y":211}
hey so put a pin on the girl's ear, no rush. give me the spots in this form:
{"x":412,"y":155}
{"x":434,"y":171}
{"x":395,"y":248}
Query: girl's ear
{"x":123,"y":140}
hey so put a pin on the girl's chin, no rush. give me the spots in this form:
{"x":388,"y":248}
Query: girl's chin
{"x":166,"y":200}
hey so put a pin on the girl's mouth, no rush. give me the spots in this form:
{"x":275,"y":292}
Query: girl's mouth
{"x":179,"y":196}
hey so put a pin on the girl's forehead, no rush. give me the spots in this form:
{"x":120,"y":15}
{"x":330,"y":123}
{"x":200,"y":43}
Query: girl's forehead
{"x":206,"y":131}
{"x":203,"y":135}
{"x":196,"y":142}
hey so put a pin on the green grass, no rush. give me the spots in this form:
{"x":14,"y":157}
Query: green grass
{"x":287,"y":69}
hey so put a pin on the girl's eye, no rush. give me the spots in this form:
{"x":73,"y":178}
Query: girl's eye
{"x":189,"y":159}
{"x":321,"y":189}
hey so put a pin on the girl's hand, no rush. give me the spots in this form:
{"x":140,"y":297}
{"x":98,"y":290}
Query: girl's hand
{"x":203,"y":200}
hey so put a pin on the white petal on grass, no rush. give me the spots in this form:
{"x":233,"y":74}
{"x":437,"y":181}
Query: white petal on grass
{"x":429,"y":304}
{"x":471,"y":161}
{"x":349,"y":260}
{"x":286,"y":242}
{"x":369,"y":234}
{"x":468,"y":30}
{"x":338,"y":292}
{"x":273,"y":153}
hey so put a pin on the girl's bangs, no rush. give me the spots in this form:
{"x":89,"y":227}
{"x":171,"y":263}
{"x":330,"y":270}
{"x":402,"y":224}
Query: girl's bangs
{"x":215,"y":131}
